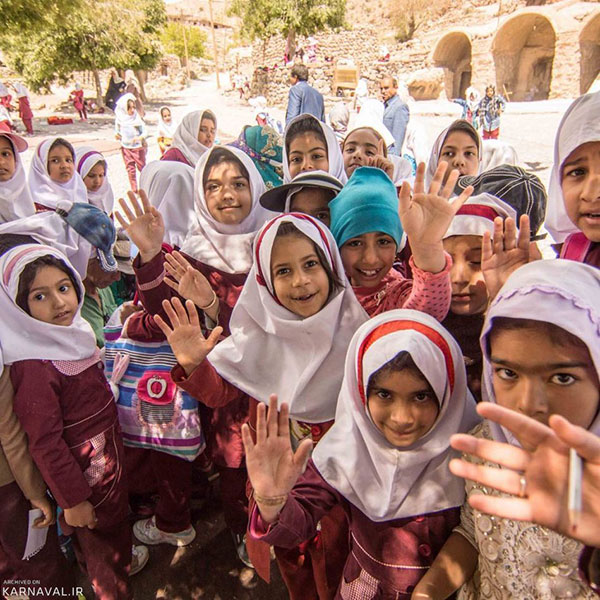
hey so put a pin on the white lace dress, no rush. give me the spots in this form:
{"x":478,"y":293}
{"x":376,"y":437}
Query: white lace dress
{"x":517,"y":560}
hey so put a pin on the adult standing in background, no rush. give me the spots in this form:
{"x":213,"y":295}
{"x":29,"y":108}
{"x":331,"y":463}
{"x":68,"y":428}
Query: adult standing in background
{"x":396,"y":113}
{"x":303,"y":98}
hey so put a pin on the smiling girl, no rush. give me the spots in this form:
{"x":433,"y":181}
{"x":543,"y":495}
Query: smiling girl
{"x":15,"y":199}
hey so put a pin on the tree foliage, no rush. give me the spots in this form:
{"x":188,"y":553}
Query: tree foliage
{"x":172,"y":40}
{"x":99,"y":35}
{"x":263,"y":19}
{"x":409,"y":15}
{"x":31,"y":14}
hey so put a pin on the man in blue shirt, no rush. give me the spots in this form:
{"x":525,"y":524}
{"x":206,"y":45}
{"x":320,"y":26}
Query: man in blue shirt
{"x":303,"y":98}
{"x":396,"y":113}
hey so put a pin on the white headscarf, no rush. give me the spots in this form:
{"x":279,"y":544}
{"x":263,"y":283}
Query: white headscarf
{"x":123,"y":118}
{"x":579,"y":125}
{"x":381,"y":480}
{"x":371,"y":115}
{"x":86,"y":158}
{"x":496,"y":153}
{"x":271,"y":350}
{"x":334,"y":154}
{"x":165,"y":129}
{"x":15,"y":199}
{"x":170,"y":189}
{"x":47,"y":192}
{"x":51,"y":229}
{"x":185,"y":138}
{"x":3,"y":90}
{"x":477,"y":215}
{"x":562,"y":292}
{"x":434,"y":157}
{"x":21,"y":89}
{"x":22,"y":337}
{"x":225,"y":247}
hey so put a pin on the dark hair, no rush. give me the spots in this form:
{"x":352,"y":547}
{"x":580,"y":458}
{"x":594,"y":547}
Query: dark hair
{"x":286,"y":228}
{"x":308,"y":124}
{"x":556,"y":334}
{"x":130,"y":102}
{"x":378,"y":136}
{"x":300,"y":71}
{"x":403,"y":360}
{"x":31,"y":270}
{"x":208,"y":114}
{"x":12,"y":146}
{"x":223,"y":155}
{"x":100,"y":162}
{"x":465,"y":127}
{"x":62,"y":142}
{"x":163,"y":109}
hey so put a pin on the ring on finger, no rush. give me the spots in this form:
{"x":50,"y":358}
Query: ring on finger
{"x":522,"y":486}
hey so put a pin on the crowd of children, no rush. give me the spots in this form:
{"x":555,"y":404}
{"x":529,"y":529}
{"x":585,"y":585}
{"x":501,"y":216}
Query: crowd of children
{"x":309,"y":320}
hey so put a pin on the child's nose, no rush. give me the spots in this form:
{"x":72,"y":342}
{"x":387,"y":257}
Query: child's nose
{"x":532,"y":398}
{"x":591,"y":190}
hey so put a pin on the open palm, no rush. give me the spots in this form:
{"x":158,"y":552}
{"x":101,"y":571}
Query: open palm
{"x":185,"y":337}
{"x":187,"y":281}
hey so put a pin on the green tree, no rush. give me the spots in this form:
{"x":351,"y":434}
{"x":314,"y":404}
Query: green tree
{"x":263,"y":19}
{"x":31,"y":14}
{"x":172,"y":40}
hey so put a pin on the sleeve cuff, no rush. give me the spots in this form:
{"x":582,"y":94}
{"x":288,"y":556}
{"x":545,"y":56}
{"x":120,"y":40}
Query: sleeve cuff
{"x":150,"y":274}
{"x":420,"y":274}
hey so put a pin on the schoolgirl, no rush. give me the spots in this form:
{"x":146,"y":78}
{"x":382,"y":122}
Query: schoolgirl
{"x":165,"y":129}
{"x":541,"y":357}
{"x":194,"y":136}
{"x":385,"y":460}
{"x":15,"y":199}
{"x":76,"y":445}
{"x":130,"y":130}
{"x":367,"y":223}
{"x":53,"y":176}
{"x":574,"y":193}
{"x":310,"y":145}
{"x":92,"y":168}
{"x":298,"y":308}
{"x":25,"y":111}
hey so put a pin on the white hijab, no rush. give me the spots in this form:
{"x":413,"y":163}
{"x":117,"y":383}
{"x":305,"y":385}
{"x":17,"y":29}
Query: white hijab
{"x":86,"y":158}
{"x":225,"y":247}
{"x":21,"y":89}
{"x":334,"y":153}
{"x":51,"y":229}
{"x":271,"y":350}
{"x":3,"y":90}
{"x":496,"y":153}
{"x":170,"y":189}
{"x":123,"y":118}
{"x":381,"y":480}
{"x":185,"y":138}
{"x":15,"y":199}
{"x":165,"y":129}
{"x":47,"y":192}
{"x":23,"y":337}
{"x":371,"y":115}
{"x":579,"y":125}
{"x":562,"y":292}
{"x":434,"y":157}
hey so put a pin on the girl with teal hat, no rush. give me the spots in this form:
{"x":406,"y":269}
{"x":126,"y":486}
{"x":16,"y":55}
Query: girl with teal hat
{"x":368,"y":220}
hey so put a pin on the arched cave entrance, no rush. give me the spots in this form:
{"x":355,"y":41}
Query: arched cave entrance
{"x":589,"y":46}
{"x":453,"y":53}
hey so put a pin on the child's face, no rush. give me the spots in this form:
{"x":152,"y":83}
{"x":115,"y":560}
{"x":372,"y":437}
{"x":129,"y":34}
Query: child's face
{"x":538,"y":377}
{"x":227,"y":193}
{"x":95,"y":177}
{"x":299,"y":279}
{"x":580,"y":176}
{"x":8,"y":163}
{"x":368,"y":258}
{"x":60,"y":164}
{"x":358,"y":147}
{"x":97,"y":276}
{"x":307,"y":153}
{"x":130,"y":107}
{"x":469,"y":293}
{"x":207,"y":132}
{"x":402,"y":406}
{"x":314,"y":202}
{"x":52,"y":297}
{"x":166,"y":115}
{"x":460,"y":152}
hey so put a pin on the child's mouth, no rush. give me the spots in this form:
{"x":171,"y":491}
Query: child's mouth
{"x":305,"y":298}
{"x":62,"y":316}
{"x":594,"y":218}
{"x":369,"y":273}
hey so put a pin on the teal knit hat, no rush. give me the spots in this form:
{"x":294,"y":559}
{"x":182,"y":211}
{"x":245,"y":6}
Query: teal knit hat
{"x":368,"y":202}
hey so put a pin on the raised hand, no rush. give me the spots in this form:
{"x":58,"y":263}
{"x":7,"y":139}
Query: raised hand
{"x":185,"y":334}
{"x":426,"y":216}
{"x":545,"y":469}
{"x":190,"y":283}
{"x":273,"y":467}
{"x":144,"y":226}
{"x":506,"y":252}
{"x":383,"y":163}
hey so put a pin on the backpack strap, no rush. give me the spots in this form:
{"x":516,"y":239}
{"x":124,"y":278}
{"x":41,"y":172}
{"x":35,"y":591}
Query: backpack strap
{"x":575,"y":247}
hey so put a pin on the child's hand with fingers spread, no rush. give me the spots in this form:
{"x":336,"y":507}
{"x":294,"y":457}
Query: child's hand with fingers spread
{"x":145,"y":228}
{"x":190,"y":283}
{"x":185,"y":334}
{"x":273,"y":467}
{"x":506,"y":252}
{"x":426,"y":216}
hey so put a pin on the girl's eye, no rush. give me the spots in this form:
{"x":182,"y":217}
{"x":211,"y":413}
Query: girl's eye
{"x":241,"y":184}
{"x":578,"y":172}
{"x":448,"y":153}
{"x":38,"y":297}
{"x":311,"y":263}
{"x":506,"y":374}
{"x":422,"y":397}
{"x":212,"y":187}
{"x":383,"y":394}
{"x":322,"y":216}
{"x":353,"y":243}
{"x":318,"y":156}
{"x":384,"y":241}
{"x":296,"y":159}
{"x":64,"y":288}
{"x":563,"y":379}
{"x":282,"y":271}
